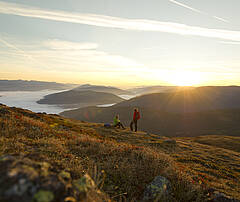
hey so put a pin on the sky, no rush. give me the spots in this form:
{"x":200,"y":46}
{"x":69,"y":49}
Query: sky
{"x":121,"y":43}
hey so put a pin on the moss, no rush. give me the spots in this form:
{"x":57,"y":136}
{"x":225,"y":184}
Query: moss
{"x":84,"y":183}
{"x":43,"y":196}
{"x":64,"y":175}
{"x":44,"y":168}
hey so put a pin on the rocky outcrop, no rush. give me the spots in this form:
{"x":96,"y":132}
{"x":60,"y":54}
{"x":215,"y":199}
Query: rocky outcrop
{"x":25,"y":180}
{"x":159,"y":188}
{"x":216,"y":196}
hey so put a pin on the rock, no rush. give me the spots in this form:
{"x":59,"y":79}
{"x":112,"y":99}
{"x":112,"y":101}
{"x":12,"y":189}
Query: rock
{"x":84,"y":184}
{"x":170,"y":142}
{"x":6,"y":158}
{"x":220,"y":197}
{"x":160,"y":187}
{"x":25,"y":180}
{"x":4,"y":111}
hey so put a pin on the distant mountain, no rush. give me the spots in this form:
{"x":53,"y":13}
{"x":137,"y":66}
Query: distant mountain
{"x":190,"y":100}
{"x":105,"y":89}
{"x":24,"y":85}
{"x":156,"y":89}
{"x":73,"y":98}
{"x":204,"y":110}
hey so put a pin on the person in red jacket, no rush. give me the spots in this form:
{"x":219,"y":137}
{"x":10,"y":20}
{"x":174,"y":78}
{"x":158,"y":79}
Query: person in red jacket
{"x":136,"y":117}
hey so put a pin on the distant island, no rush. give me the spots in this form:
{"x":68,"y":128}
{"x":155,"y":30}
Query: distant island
{"x":24,"y":85}
{"x":73,"y":98}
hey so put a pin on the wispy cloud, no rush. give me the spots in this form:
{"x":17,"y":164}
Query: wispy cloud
{"x":186,"y":6}
{"x":67,"y":45}
{"x":67,"y":56}
{"x":230,"y":42}
{"x":18,"y":50}
{"x":198,"y":11}
{"x":117,"y":22}
{"x":221,"y":19}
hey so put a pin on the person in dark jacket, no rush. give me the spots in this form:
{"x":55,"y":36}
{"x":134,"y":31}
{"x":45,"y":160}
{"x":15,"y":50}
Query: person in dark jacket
{"x":136,"y":117}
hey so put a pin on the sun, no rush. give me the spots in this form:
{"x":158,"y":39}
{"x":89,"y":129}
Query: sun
{"x":185,"y":78}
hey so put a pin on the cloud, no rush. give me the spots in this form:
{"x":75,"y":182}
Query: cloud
{"x":82,"y":56}
{"x":11,"y":46}
{"x":185,"y":6}
{"x":67,"y":56}
{"x":197,"y":11}
{"x":67,"y":45}
{"x":221,"y":19}
{"x":230,"y":42}
{"x":117,"y":22}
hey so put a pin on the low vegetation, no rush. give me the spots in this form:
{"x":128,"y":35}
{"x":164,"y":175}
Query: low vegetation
{"x":121,"y":162}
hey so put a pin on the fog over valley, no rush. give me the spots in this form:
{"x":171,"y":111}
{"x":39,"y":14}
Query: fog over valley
{"x":27,"y":100}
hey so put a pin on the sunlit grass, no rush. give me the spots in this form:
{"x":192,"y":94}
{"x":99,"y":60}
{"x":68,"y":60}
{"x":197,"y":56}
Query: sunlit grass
{"x":129,"y":161}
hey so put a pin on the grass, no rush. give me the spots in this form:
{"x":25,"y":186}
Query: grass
{"x":122,"y":162}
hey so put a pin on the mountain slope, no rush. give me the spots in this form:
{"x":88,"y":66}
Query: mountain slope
{"x":219,"y":122}
{"x":129,"y":160}
{"x":191,"y":100}
{"x":105,"y":89}
{"x":193,"y":112}
{"x":84,"y":98}
{"x":155,"y":89}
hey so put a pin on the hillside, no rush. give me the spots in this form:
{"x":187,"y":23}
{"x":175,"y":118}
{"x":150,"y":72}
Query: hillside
{"x":190,"y":100}
{"x":105,"y":89}
{"x":193,"y":112}
{"x":23,"y":85}
{"x":121,"y":162}
{"x":220,"y":122}
{"x":80,"y":98}
{"x":156,"y":89}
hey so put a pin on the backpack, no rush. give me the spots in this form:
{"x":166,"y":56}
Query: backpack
{"x":107,"y":125}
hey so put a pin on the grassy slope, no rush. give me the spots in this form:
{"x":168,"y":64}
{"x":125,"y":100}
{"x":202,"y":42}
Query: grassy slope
{"x":219,"y":122}
{"x":125,"y":161}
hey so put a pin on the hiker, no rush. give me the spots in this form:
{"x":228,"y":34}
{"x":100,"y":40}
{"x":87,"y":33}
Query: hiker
{"x":136,"y":117}
{"x":117,"y":122}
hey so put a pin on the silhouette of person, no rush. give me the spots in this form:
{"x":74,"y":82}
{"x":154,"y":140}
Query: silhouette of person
{"x":136,"y":117}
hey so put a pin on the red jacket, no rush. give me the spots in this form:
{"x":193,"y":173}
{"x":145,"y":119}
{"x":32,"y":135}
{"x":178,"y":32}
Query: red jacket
{"x":136,"y":116}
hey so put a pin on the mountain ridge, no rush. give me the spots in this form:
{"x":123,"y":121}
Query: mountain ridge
{"x":105,"y":89}
{"x":32,"y":85}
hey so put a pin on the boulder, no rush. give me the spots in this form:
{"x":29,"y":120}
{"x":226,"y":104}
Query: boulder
{"x":159,"y":188}
{"x":23,"y":179}
{"x":221,"y":197}
{"x":170,"y":142}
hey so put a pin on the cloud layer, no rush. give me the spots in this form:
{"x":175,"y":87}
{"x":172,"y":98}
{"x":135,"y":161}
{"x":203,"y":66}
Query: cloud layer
{"x":117,"y":22}
{"x":68,"y":56}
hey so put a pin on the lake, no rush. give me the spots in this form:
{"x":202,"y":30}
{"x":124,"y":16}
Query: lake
{"x":27,"y":100}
